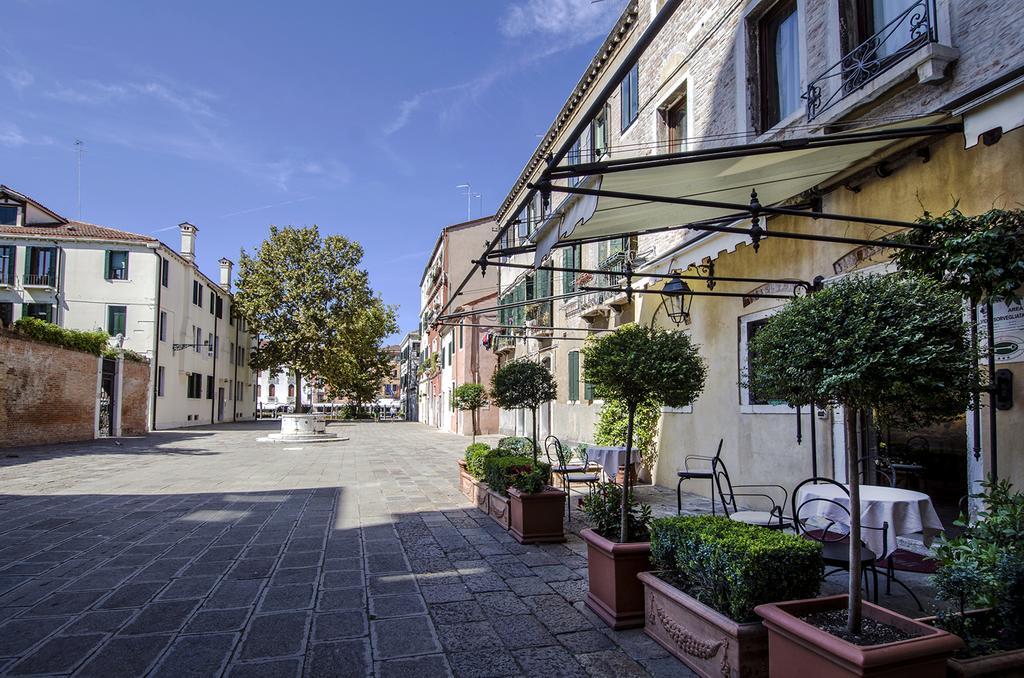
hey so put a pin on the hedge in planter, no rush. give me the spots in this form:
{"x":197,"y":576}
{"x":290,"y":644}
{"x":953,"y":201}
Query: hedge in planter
{"x":523,"y":473}
{"x":475,"y":455}
{"x":523,"y":384}
{"x":732,"y":566}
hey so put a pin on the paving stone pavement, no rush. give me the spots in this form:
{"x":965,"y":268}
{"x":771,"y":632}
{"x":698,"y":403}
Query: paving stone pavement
{"x":201,"y":552}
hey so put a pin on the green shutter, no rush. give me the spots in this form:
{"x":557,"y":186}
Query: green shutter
{"x":460,"y":336}
{"x":574,"y":375}
{"x":106,"y":265}
{"x":567,"y":278}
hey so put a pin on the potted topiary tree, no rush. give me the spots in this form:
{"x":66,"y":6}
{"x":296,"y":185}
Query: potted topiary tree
{"x":895,"y":346}
{"x":534,"y":507}
{"x":633,"y":365}
{"x":523,"y":384}
{"x":470,"y":398}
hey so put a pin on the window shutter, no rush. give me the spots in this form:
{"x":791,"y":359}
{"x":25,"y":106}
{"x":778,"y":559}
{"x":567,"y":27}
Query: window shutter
{"x":567,"y":277}
{"x":106,"y":265}
{"x":574,"y":375}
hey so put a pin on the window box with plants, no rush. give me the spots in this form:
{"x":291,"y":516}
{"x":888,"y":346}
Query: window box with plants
{"x":535,"y":508}
{"x":633,"y":365}
{"x":894,"y":346}
{"x":710,"y":574}
{"x":984,"y":568}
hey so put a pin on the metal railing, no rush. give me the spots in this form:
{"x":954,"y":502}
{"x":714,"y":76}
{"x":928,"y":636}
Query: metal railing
{"x":38,"y":279}
{"x":613,"y":267}
{"x":903,"y":35}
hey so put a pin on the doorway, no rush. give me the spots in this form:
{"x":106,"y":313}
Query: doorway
{"x":220,"y":404}
{"x":107,"y":425}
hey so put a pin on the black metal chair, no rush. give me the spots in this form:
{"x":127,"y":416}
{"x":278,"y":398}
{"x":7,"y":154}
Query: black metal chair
{"x":570,"y":472}
{"x":834,"y":535}
{"x":772,"y":518}
{"x":698,"y":474}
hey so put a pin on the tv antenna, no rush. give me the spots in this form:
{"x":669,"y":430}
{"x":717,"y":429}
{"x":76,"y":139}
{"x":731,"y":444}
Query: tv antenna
{"x":79,"y":149}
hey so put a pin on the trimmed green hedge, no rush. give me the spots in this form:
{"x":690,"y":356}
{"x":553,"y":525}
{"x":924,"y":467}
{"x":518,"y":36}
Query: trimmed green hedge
{"x":734,"y":567}
{"x":475,"y":454}
{"x":520,"y":472}
{"x":90,"y":342}
{"x":516,"y":445}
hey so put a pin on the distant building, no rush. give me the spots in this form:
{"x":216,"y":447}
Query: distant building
{"x":150,"y":298}
{"x":408,"y":378}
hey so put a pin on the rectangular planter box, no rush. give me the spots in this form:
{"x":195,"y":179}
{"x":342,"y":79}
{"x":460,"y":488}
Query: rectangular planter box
{"x":614,"y":592}
{"x":498,"y":508}
{"x":798,"y":648}
{"x":475,"y":490}
{"x":705,"y":640}
{"x":537,"y":518}
{"x":1009,"y":663}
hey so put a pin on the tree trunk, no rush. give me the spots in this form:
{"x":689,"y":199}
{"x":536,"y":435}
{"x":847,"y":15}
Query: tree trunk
{"x":854,"y":603}
{"x":298,"y":391}
{"x":534,"y":435}
{"x":472,"y":418}
{"x":624,"y":524}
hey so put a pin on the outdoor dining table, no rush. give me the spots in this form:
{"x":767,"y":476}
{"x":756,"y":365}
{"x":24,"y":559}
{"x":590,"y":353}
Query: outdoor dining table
{"x":611,"y":458}
{"x":906,"y":512}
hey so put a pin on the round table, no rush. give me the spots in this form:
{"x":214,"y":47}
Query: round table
{"x":906,"y":512}
{"x":611,"y":458}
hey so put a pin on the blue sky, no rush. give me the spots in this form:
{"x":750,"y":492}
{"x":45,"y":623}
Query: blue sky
{"x":359,"y":117}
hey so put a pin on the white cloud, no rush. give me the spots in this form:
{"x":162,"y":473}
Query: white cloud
{"x":576,"y":21}
{"x":19,"y":78}
{"x":12,"y":137}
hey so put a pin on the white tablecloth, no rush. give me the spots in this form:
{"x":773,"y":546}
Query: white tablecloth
{"x":906,"y":512}
{"x":611,"y":458}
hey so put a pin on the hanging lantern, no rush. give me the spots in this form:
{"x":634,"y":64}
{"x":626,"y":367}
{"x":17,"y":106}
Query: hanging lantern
{"x":678,"y":299}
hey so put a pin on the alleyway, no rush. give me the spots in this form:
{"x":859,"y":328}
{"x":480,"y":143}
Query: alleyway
{"x":203,"y":552}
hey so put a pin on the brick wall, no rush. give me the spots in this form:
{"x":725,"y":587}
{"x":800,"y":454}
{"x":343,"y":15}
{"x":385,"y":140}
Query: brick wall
{"x":48,"y":393}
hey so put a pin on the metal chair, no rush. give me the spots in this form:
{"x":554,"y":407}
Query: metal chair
{"x":772,"y":518}
{"x":834,"y":535}
{"x":561,"y":459}
{"x":697,"y":474}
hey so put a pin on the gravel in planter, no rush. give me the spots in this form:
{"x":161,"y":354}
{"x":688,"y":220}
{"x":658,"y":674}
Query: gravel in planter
{"x":872,"y":631}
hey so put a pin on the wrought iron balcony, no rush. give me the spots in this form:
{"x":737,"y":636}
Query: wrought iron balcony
{"x":37,"y":280}
{"x":899,"y":38}
{"x":612,"y":269}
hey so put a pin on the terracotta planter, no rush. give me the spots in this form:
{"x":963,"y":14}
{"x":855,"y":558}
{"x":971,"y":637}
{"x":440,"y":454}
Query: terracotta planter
{"x":498,"y":509}
{"x":702,"y":638}
{"x":537,"y":518}
{"x":614,"y":591}
{"x":796,"y":648}
{"x":469,"y":485}
{"x":1008,"y":663}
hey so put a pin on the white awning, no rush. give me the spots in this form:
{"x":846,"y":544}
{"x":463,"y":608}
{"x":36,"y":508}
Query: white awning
{"x":1001,"y":109}
{"x":777,"y":176}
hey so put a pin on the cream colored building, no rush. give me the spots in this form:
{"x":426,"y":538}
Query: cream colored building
{"x":718,"y":75}
{"x":150,"y":298}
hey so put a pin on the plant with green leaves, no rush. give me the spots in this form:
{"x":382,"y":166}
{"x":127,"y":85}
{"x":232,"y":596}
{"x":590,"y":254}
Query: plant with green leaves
{"x":523,"y":384}
{"x":984,"y":567}
{"x":895,"y":346}
{"x":636,"y":365}
{"x":613,"y":420}
{"x":516,"y":444}
{"x":475,"y":454}
{"x":78,"y":340}
{"x":310,"y":304}
{"x":603,"y":508}
{"x":527,"y":475}
{"x":470,"y":398}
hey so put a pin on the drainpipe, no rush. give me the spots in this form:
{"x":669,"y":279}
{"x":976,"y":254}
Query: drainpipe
{"x":58,"y":277}
{"x":156,"y":338}
{"x":213,"y":398}
{"x":234,"y":359}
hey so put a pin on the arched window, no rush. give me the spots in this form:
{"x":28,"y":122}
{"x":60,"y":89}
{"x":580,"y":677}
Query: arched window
{"x":270,"y":390}
{"x":291,"y":390}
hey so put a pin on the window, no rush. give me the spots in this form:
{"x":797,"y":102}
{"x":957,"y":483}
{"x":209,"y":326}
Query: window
{"x":213,"y":303}
{"x":220,"y":307}
{"x":753,"y":403}
{"x":199,"y":339}
{"x":216,"y":346}
{"x":163,"y":325}
{"x":572,"y":257}
{"x":165,"y":266}
{"x":599,"y":135}
{"x":209,"y":387}
{"x":160,"y":380}
{"x":197,"y":293}
{"x":779,"y":63}
{"x":7,"y":254}
{"x":6,"y":313}
{"x":195,"y":385}
{"x":238,"y":391}
{"x":291,"y":391}
{"x":271,"y":391}
{"x":9,"y":215}
{"x":117,"y":265}
{"x":40,"y":311}
{"x":629,"y":95}
{"x":241,"y":355}
{"x":40,"y":267}
{"x":588,"y":389}
{"x":574,"y":376}
{"x":675,"y":124}
{"x":116,"y":317}
{"x":575,"y":158}
{"x":231,"y":353}
{"x":210,"y":344}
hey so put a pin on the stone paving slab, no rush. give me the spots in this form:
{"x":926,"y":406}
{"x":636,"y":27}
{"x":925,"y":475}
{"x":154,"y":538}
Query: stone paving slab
{"x":202,"y":552}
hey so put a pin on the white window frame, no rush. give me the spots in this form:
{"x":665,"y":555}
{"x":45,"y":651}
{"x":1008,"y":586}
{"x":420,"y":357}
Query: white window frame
{"x":745,"y":405}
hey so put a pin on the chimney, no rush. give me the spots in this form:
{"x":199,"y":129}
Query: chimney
{"x":225,"y":274}
{"x":188,"y":240}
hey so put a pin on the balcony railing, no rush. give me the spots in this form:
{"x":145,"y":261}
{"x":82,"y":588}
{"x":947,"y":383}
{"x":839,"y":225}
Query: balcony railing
{"x":38,"y":280}
{"x":865,"y":62}
{"x":7,"y":277}
{"x":612,"y":269}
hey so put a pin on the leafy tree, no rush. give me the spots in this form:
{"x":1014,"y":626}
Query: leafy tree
{"x":636,"y":365}
{"x":301,"y":294}
{"x":356,"y":368}
{"x":523,"y":384}
{"x":470,"y":397}
{"x":613,"y":421}
{"x":895,"y":346}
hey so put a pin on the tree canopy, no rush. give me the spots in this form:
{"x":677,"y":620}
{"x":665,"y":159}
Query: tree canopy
{"x":895,"y":345}
{"x":311,"y":307}
{"x":470,"y":398}
{"x":522,"y":383}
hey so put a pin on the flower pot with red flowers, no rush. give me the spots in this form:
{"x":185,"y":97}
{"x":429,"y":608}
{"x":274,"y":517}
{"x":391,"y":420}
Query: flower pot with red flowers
{"x":535,"y":508}
{"x":633,"y":365}
{"x":710,"y":573}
